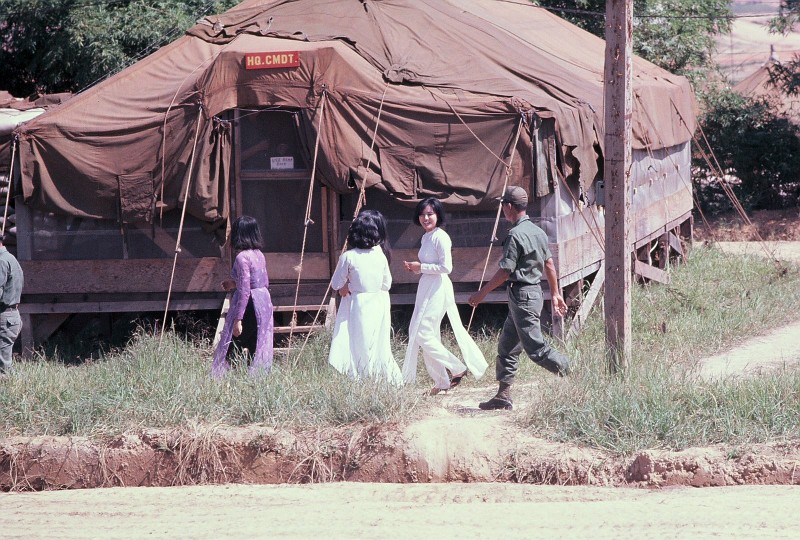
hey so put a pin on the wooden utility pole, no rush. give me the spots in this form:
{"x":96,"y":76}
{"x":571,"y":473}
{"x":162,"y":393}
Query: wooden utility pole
{"x":618,"y":109}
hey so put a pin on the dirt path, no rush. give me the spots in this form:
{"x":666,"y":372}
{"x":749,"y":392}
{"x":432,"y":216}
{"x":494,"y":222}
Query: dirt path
{"x":781,"y":249}
{"x":403,"y":511}
{"x":778,"y":348}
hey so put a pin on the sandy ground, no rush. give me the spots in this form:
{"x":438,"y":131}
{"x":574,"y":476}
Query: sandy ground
{"x":774,"y":350}
{"x":452,"y":510}
{"x":747,"y":47}
{"x":403,"y":511}
{"x":782,"y":250}
{"x":770,"y":351}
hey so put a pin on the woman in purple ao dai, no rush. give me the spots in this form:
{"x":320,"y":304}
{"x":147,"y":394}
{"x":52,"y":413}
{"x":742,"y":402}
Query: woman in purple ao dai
{"x":250,"y":282}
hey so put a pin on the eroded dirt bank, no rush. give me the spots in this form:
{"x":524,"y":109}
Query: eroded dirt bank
{"x":433,"y":450}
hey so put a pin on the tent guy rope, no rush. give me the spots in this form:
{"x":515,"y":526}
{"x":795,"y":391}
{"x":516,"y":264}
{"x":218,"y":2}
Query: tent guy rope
{"x":359,"y":204}
{"x":307,"y":217}
{"x":520,"y":126}
{"x":8,"y":189}
{"x":717,"y":169}
{"x":180,"y":225}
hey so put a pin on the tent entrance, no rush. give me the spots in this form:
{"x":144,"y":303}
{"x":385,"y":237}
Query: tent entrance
{"x":272,"y":186}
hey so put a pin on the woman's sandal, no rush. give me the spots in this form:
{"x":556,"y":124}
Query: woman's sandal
{"x":456,"y":380}
{"x":436,"y":391}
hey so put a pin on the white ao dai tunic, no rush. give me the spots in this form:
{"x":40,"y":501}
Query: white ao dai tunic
{"x":361,"y":346}
{"x":435,"y":298}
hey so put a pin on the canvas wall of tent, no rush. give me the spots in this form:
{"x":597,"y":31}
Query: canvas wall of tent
{"x":405,"y":98}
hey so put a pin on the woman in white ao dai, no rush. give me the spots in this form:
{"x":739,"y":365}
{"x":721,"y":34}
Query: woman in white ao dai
{"x":435,"y":298}
{"x":361,"y":346}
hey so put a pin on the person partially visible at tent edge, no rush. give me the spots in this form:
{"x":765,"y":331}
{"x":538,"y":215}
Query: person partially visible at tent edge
{"x":525,"y":258}
{"x":435,"y":298}
{"x":249,"y":282}
{"x":12,"y":280}
{"x":361,"y":345}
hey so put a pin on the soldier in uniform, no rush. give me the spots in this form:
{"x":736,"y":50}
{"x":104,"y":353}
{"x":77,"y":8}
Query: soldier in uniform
{"x":526,"y":258}
{"x":10,"y":321}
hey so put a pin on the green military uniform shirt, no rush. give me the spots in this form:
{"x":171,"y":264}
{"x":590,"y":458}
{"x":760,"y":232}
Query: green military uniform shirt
{"x":524,"y":252}
{"x":11,"y":279}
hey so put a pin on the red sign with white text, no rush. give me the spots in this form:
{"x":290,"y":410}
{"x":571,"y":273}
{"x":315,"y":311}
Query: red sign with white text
{"x":272,"y":60}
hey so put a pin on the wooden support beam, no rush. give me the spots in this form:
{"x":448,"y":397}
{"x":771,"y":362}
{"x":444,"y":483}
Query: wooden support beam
{"x":26,"y":334}
{"x":663,"y":254}
{"x":687,"y":230}
{"x":588,"y":301}
{"x":296,"y":329}
{"x":330,"y":316}
{"x":303,"y":307}
{"x":495,"y":297}
{"x":334,"y":209}
{"x":329,"y":310}
{"x":467,"y":264}
{"x":651,"y":272}
{"x":28,"y":308}
{"x":152,"y":275}
{"x":46,"y":325}
{"x":675,"y":243}
{"x":226,"y":306}
{"x":556,"y":324}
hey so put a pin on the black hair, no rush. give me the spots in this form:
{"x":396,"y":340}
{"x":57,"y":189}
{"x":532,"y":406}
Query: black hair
{"x":245,"y":234}
{"x":369,"y":230}
{"x":435,"y":205}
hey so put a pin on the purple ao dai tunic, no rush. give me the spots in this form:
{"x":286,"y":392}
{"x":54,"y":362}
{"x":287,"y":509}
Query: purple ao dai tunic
{"x":250,"y":273}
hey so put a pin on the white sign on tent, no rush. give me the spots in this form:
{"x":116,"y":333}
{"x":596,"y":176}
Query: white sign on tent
{"x":281,"y":163}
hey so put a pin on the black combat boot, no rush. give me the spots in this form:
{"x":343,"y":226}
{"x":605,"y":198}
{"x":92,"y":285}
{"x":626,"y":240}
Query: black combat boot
{"x":502,"y":400}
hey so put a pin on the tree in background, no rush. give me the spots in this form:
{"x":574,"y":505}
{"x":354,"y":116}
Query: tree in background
{"x":52,"y":46}
{"x":786,"y":75}
{"x":759,"y":149}
{"x":677,"y":35}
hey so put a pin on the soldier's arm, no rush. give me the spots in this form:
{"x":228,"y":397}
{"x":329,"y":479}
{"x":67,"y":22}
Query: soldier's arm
{"x":497,"y":279}
{"x":559,"y":305}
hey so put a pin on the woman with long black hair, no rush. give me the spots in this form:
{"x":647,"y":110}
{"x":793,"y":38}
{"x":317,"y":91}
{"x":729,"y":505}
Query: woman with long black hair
{"x":435,"y":298}
{"x":249,"y":282}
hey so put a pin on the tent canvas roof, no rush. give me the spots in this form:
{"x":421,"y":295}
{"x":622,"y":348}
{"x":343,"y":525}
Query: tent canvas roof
{"x":759,"y":84}
{"x":442,"y":73}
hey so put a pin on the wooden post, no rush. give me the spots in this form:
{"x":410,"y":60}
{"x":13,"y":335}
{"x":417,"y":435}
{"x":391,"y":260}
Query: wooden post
{"x":332,"y":217}
{"x":618,"y":108}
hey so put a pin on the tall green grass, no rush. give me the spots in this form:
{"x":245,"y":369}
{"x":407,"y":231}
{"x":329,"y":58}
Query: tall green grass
{"x":150,"y":385}
{"x":713,"y":302}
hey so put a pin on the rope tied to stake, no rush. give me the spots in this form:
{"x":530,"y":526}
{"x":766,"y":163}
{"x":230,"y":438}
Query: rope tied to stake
{"x":307,"y":221}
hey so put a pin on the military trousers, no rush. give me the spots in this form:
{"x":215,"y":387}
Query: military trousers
{"x":10,"y":325}
{"x":522,"y":330}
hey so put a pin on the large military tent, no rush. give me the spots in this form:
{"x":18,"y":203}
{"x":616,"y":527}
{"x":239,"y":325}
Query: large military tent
{"x":410,"y":98}
{"x":488,"y":60}
{"x":759,"y":84}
